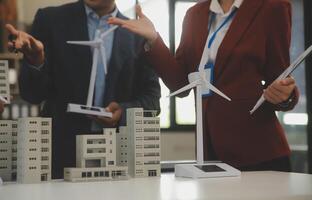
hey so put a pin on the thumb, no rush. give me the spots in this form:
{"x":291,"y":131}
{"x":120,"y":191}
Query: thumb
{"x":108,"y":109}
{"x":139,"y":11}
{"x":288,"y":81}
{"x":35,"y":44}
{"x":11,"y":29}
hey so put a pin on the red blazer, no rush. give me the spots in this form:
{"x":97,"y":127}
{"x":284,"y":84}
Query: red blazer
{"x":255,"y":48}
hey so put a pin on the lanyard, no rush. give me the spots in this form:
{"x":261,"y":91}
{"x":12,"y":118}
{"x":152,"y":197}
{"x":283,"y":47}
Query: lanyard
{"x":213,"y":16}
{"x":205,"y":55}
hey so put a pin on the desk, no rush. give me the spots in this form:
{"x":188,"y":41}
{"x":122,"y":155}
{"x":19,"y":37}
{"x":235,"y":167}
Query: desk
{"x":250,"y":186}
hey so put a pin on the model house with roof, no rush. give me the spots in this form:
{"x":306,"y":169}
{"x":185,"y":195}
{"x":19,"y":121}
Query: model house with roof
{"x":4,"y":80}
{"x":96,"y":159}
{"x":34,"y":150}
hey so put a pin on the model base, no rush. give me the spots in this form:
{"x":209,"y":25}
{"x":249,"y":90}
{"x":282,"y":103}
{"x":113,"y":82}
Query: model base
{"x":208,"y":170}
{"x":83,"y":109}
{"x":96,"y":174}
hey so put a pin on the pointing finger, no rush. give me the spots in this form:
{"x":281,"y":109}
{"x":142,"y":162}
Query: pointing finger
{"x":11,"y":29}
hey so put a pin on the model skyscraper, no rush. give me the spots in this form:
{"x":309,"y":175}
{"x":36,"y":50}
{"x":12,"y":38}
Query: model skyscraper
{"x":34,"y":150}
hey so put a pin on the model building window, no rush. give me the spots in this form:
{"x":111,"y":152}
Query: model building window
{"x":32,"y":168}
{"x":101,"y":174}
{"x":33,"y":149}
{"x":44,"y":141}
{"x":32,"y":131}
{"x":44,"y":149}
{"x":45,"y":123}
{"x":44,"y":158}
{"x":44,"y":167}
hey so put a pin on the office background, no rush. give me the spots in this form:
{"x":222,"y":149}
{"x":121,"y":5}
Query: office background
{"x":178,"y":115}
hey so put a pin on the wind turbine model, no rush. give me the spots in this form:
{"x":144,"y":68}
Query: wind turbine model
{"x":199,"y":81}
{"x":98,"y":50}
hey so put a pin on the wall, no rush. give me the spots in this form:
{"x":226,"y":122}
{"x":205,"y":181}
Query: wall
{"x":27,"y":8}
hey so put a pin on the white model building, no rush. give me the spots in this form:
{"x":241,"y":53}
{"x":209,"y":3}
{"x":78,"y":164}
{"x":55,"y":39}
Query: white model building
{"x":143,"y":137}
{"x":4,"y":80}
{"x":6,"y":150}
{"x":34,"y":150}
{"x":96,"y":159}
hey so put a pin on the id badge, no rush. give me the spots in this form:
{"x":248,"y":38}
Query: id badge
{"x":209,"y":70}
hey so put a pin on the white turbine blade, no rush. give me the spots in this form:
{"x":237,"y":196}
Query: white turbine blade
{"x":285,"y":73}
{"x":103,"y":54}
{"x":258,"y":104}
{"x":185,"y":88}
{"x":216,"y":90}
{"x":85,"y":43}
{"x":104,"y":34}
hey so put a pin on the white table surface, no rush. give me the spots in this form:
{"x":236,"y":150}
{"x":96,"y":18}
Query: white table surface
{"x":251,"y":185}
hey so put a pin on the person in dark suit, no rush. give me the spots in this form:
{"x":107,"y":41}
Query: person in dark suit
{"x":56,"y":73}
{"x":249,"y":43}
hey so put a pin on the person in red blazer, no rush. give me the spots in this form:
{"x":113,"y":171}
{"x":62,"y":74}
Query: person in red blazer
{"x":254,"y":49}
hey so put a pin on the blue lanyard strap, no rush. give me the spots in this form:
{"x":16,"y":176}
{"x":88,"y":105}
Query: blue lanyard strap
{"x":213,"y":16}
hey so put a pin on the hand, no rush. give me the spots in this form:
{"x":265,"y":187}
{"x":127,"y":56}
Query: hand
{"x":32,"y":49}
{"x":280,"y":90}
{"x":116,"y":110}
{"x":142,"y":26}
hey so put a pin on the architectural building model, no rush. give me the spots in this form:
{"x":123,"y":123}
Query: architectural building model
{"x":4,"y":81}
{"x":108,"y":156}
{"x":96,"y":159}
{"x":34,"y":150}
{"x":139,"y":143}
{"x":25,"y":149}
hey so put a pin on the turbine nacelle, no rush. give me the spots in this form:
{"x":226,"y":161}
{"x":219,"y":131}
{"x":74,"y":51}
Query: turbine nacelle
{"x":199,"y":79}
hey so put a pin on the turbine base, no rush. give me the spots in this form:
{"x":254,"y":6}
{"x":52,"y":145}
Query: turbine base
{"x":83,"y":109}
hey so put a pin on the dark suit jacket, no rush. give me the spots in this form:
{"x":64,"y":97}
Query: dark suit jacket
{"x":65,"y":77}
{"x":255,"y":48}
